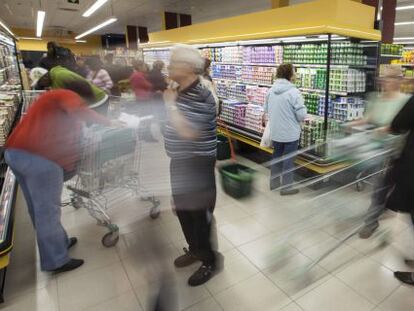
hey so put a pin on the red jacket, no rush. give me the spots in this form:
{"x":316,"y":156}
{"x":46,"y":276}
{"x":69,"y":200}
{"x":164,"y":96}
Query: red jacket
{"x":52,"y":127}
{"x":140,"y":85}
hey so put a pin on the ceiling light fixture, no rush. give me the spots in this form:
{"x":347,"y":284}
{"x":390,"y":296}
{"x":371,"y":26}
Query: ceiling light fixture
{"x":406,"y":7}
{"x":404,"y":42}
{"x":30,"y":38}
{"x":94,"y":7}
{"x":80,"y":41}
{"x":40,"y":21}
{"x":403,"y":23}
{"x":104,"y":24}
{"x":403,"y":38}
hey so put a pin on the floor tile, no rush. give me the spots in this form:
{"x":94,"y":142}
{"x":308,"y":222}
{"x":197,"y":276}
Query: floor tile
{"x":125,"y":302}
{"x":243,"y":231}
{"x":44,"y":299}
{"x":294,"y":276}
{"x":267,"y":251}
{"x":400,"y":300}
{"x":292,"y":307}
{"x":236,"y":269}
{"x":343,"y":255}
{"x":334,"y":295}
{"x":369,"y":279}
{"x":229,"y":213}
{"x":255,"y":293}
{"x":89,"y":289}
{"x":179,"y":292}
{"x":207,"y":305}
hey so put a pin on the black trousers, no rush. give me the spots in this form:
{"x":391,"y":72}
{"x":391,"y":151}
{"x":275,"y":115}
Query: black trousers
{"x":194,"y":193}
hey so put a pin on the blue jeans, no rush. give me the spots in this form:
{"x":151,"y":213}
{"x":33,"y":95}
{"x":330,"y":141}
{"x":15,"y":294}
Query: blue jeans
{"x":278,"y":177}
{"x":41,"y":181}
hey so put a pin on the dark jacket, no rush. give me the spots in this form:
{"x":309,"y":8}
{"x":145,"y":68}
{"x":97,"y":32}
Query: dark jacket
{"x":402,"y":173}
{"x":157,"y":79}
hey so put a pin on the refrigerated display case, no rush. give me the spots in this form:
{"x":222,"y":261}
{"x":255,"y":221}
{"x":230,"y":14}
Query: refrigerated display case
{"x":10,"y":107}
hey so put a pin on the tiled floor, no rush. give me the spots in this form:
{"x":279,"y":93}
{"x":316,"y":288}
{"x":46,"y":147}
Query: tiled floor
{"x":269,"y":243}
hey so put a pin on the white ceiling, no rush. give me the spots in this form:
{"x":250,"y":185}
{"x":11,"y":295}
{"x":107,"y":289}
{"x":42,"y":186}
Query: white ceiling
{"x":62,"y":15}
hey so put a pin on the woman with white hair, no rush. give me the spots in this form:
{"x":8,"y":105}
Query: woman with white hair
{"x":190,"y":142}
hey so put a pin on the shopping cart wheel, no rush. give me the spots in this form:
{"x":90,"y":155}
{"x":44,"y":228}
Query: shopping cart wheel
{"x":110,"y":239}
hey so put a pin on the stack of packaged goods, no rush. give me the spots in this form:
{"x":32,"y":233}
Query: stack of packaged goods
{"x":253,"y":118}
{"x":8,"y":107}
{"x":237,"y":91}
{"x":221,"y":87}
{"x":321,"y":106}
{"x":257,"y":74}
{"x":229,"y":72}
{"x":408,"y":57}
{"x":151,"y":56}
{"x":262,"y":55}
{"x":313,"y":131}
{"x":239,"y":118}
{"x":343,"y":53}
{"x":391,"y":49}
{"x":348,"y":108}
{"x":311,"y":103}
{"x":227,"y":111}
{"x":347,"y":80}
{"x":256,"y":94}
{"x":229,"y":54}
{"x":348,"y":53}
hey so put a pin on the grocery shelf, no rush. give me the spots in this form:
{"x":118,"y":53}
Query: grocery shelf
{"x":334,"y":66}
{"x":245,"y":64}
{"x":244,"y":82}
{"x":391,"y":56}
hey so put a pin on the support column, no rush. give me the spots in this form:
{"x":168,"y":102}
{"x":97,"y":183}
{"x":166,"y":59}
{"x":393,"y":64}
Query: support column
{"x":279,"y":3}
{"x":388,"y":20}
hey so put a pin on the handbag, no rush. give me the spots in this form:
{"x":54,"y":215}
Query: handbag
{"x":266,"y":140}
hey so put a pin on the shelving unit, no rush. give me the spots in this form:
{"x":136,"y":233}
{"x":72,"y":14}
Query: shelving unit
{"x":336,"y":59}
{"x":10,"y":107}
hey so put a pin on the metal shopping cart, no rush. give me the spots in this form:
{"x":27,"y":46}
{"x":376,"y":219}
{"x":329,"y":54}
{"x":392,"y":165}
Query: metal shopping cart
{"x":110,"y":162}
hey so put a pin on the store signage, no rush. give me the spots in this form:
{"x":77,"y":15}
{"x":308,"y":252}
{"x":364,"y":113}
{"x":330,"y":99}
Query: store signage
{"x":73,"y":1}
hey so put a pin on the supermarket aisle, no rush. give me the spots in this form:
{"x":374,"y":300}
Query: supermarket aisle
{"x":258,"y":275}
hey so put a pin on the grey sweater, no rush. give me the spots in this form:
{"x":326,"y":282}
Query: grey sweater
{"x":286,"y":110}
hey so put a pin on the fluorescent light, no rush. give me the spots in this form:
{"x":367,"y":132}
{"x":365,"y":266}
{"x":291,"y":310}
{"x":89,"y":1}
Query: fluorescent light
{"x":404,"y":42}
{"x":406,"y":7}
{"x":403,"y":23}
{"x":7,"y":28}
{"x":81,"y":41}
{"x":403,"y":38}
{"x":29,"y":38}
{"x":40,"y":21}
{"x":94,"y":7}
{"x":104,"y":24}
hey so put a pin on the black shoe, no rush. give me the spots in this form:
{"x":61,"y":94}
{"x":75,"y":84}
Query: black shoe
{"x":202,"y":275}
{"x":405,"y":277}
{"x":368,"y":230}
{"x":185,"y":260}
{"x":289,"y":191}
{"x":71,"y":265}
{"x":72,"y":242}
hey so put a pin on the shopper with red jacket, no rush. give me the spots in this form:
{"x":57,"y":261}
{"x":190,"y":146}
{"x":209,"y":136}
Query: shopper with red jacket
{"x":42,"y":147}
{"x":139,"y":82}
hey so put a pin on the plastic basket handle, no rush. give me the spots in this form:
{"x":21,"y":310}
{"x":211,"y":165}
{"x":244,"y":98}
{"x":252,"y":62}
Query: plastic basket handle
{"x":224,"y":125}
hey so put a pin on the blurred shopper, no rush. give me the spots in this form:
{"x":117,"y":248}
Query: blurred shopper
{"x":190,"y":141}
{"x":81,"y":67}
{"x":98,"y":75}
{"x":402,"y":196}
{"x":381,"y":109}
{"x":57,"y":56}
{"x":117,"y":72}
{"x":41,"y":149}
{"x":139,"y":82}
{"x":59,"y":77}
{"x":206,"y":69}
{"x":157,"y":78}
{"x":286,"y":110}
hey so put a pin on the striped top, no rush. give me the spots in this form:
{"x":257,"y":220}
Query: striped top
{"x":198,"y":106}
